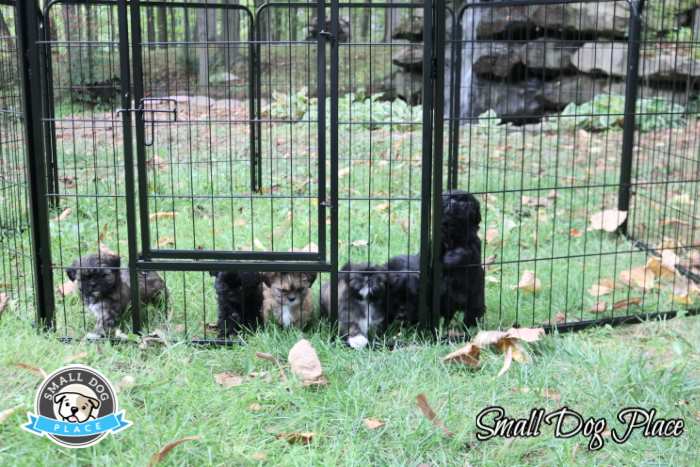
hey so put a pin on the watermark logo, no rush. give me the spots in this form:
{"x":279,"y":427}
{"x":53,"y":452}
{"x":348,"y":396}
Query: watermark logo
{"x":76,"y":407}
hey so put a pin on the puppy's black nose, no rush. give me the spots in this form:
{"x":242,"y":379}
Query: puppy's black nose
{"x":74,"y":410}
{"x":291,"y":298}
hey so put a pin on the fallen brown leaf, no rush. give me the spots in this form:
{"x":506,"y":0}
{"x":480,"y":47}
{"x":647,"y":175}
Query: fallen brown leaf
{"x":599,"y":307}
{"x":103,"y":233}
{"x":228,"y":379}
{"x":162,"y":215}
{"x":68,"y":287}
{"x":639,"y":277}
{"x":576,"y":233}
{"x":165,"y":241}
{"x":529,"y":282}
{"x":36,"y":370}
{"x":7,"y":413}
{"x":430,"y":414}
{"x":126,"y":382}
{"x":560,"y":317}
{"x":551,"y":394}
{"x":255,"y":407}
{"x":3,"y":301}
{"x":658,"y":268}
{"x":75,"y":357}
{"x":467,"y":355}
{"x":359,"y":243}
{"x":626,"y":303}
{"x":608,"y":220}
{"x":305,"y":364}
{"x":64,"y":215}
{"x":372,"y":423}
{"x":240,"y":222}
{"x":491,"y":235}
{"x":160,"y":455}
{"x":156,"y":163}
{"x":259,"y":456}
{"x":603,"y":287}
{"x":304,"y":437}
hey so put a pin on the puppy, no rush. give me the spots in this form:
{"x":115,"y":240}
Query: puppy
{"x":239,"y":297}
{"x":404,"y":287}
{"x":74,"y":407}
{"x":463,"y":276}
{"x":105,"y":288}
{"x":361,"y":302}
{"x":287,"y":298}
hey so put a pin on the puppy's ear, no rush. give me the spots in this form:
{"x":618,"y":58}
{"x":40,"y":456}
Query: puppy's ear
{"x":267,"y":278}
{"x":58,"y":398}
{"x":72,"y":273}
{"x":94,"y":402}
{"x":111,"y":261}
{"x":310,"y":277}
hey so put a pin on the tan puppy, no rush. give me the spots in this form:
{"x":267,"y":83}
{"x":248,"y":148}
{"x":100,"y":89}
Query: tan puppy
{"x":75,"y":407}
{"x":287,"y":298}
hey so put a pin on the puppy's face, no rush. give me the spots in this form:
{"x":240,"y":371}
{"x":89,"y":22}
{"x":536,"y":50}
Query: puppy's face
{"x":235,"y":284}
{"x":74,"y":407}
{"x":365,"y":281}
{"x":461,"y":214}
{"x":96,"y":275}
{"x":290,"y":289}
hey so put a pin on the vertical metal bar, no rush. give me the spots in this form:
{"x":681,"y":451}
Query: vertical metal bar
{"x":335,"y":13}
{"x":255,"y":183}
{"x":439,"y":107}
{"x":455,"y":97}
{"x":49,"y":111}
{"x":321,"y":91}
{"x":140,"y":128}
{"x":258,"y":97}
{"x":27,"y":24}
{"x":629,"y":130}
{"x":425,"y":316}
{"x":125,"y":72}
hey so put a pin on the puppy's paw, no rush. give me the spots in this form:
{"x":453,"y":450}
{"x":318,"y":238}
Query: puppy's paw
{"x":358,"y":342}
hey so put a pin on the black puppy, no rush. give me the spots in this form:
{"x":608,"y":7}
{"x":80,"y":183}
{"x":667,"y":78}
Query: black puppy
{"x":463,"y":276}
{"x":462,"y":285}
{"x":239,"y":297}
{"x":361,"y":302}
{"x":106,"y":290}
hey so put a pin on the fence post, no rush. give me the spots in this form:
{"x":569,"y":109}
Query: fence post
{"x":28,"y":15}
{"x":629,"y":126}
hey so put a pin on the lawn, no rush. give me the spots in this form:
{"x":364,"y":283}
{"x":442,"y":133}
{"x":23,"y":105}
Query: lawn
{"x":596,"y":372}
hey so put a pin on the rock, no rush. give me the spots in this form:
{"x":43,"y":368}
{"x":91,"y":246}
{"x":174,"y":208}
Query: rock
{"x":404,"y":85}
{"x":493,"y":59}
{"x":409,"y":57}
{"x":607,"y":58}
{"x":516,"y":103}
{"x":548,"y":54}
{"x":605,"y":19}
{"x":410,"y":26}
{"x":502,"y":59}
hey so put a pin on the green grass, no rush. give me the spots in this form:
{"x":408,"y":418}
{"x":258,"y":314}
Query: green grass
{"x":596,"y":372}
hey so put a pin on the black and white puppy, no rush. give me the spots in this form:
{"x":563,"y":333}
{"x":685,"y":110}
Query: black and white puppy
{"x":239,"y":297}
{"x":105,"y":288}
{"x":361,"y":302}
{"x":403,"y":280}
{"x":463,"y":276}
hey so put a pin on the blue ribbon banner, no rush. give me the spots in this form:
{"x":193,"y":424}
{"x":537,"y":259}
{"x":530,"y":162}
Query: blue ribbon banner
{"x":109,"y":423}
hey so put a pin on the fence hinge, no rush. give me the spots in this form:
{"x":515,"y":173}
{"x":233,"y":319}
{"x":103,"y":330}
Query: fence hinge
{"x":434,"y":68}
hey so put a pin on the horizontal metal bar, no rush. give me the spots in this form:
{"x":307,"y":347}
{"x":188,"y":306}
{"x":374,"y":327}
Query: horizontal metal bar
{"x":615,"y":321}
{"x":205,"y":266}
{"x":232,"y":255}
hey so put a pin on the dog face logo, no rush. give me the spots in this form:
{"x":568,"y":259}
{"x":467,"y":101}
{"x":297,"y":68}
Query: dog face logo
{"x":76,"y":406}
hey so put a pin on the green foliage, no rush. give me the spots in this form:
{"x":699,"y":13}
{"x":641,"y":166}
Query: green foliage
{"x":607,"y":111}
{"x":368,"y":112}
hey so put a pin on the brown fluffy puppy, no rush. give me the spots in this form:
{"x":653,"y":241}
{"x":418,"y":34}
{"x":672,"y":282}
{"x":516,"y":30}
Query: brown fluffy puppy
{"x":287,"y":298}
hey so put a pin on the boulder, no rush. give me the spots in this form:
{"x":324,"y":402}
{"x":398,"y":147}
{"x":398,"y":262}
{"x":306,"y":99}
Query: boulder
{"x":501,"y":60}
{"x":494,"y":59}
{"x":548,"y":54}
{"x":606,"y":58}
{"x":404,"y":85}
{"x":410,"y":25}
{"x":409,"y":57}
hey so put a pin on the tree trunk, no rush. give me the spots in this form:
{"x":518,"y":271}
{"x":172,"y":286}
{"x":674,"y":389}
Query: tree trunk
{"x":391,"y":21}
{"x":366,"y":21}
{"x":91,"y":31}
{"x":5,"y":34}
{"x":162,"y":19}
{"x":71,"y":25}
{"x":150,"y":26}
{"x":206,"y":32}
{"x":232,"y":32}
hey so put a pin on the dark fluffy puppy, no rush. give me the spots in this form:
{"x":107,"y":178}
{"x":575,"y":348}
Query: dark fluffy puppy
{"x":239,"y":297}
{"x":105,"y":288}
{"x":463,"y":275}
{"x":403,"y":285}
{"x":361,"y":302}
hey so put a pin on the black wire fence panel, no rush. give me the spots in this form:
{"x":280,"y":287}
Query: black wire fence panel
{"x":16,"y":273}
{"x":192,"y":138}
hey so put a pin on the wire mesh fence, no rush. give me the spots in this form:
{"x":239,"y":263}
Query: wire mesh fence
{"x":383,"y":165}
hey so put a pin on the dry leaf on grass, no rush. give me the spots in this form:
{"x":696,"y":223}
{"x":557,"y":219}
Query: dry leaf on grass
{"x":559,"y":317}
{"x":36,"y":370}
{"x":599,"y":307}
{"x":639,"y":277}
{"x":228,"y":379}
{"x":303,"y":437}
{"x":372,"y":423}
{"x":165,"y":241}
{"x":467,"y":355}
{"x":162,"y":215}
{"x":491,"y":235}
{"x":305,"y":364}
{"x":68,"y":287}
{"x":7,"y":413}
{"x":259,"y":456}
{"x":608,"y":220}
{"x":3,"y":301}
{"x":103,"y":233}
{"x":603,"y":287}
{"x":626,"y":303}
{"x":382,"y":207}
{"x":430,"y":414}
{"x":255,"y":407}
{"x":529,"y":282}
{"x":271,"y":358}
{"x":240,"y":223}
{"x":126,"y":382}
{"x":160,"y":455}
{"x":359,"y":243}
{"x":576,"y":233}
{"x":509,"y":342}
{"x":694,"y":258}
{"x":658,"y":268}
{"x":526,"y":334}
{"x":64,"y":215}
{"x":551,"y":394}
{"x":75,"y":357}
{"x":157,"y":163}
{"x":343,"y":172}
